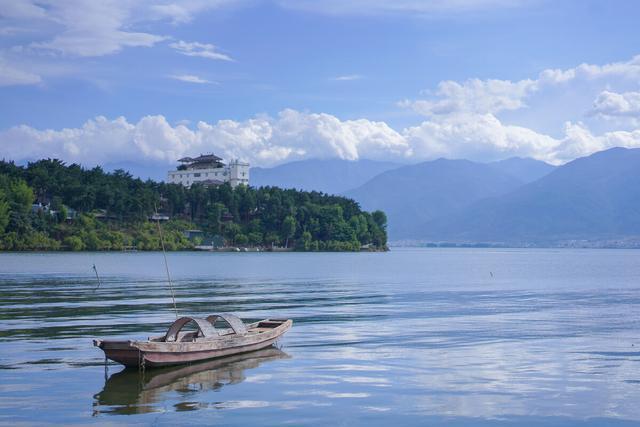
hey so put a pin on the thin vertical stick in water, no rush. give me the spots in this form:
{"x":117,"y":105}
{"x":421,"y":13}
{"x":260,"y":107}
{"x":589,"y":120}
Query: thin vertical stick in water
{"x":166,"y":265}
{"x":97,"y":277}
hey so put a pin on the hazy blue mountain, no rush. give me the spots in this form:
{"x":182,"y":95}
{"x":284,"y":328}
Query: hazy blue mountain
{"x":592,"y":198}
{"x":525,"y":169}
{"x":332,"y":176}
{"x":412,"y":195}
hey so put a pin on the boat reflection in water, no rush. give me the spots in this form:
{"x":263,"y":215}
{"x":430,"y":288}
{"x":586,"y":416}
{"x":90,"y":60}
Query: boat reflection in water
{"x":131,"y":391}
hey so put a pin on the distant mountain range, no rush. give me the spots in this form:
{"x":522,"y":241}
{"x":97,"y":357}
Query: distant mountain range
{"x":412,"y":195}
{"x":333,"y":176}
{"x":524,"y":169}
{"x":593,"y":198}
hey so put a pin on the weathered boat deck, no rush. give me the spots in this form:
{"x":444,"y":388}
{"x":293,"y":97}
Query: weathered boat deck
{"x":207,"y":342}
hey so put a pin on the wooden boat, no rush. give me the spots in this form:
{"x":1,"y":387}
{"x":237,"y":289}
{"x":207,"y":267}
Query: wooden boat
{"x":206,"y":342}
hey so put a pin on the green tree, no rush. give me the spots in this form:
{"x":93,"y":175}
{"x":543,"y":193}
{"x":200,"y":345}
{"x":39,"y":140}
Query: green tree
{"x":255,"y":238}
{"x":271,"y":239}
{"x":231,"y":231}
{"x":380,"y":218}
{"x":4,"y":211}
{"x":242,"y":239}
{"x":305,"y":241}
{"x":21,"y":196}
{"x":62,"y":213}
{"x":288,"y":229}
{"x":73,"y":243}
{"x":214,"y":217}
{"x":92,"y":241}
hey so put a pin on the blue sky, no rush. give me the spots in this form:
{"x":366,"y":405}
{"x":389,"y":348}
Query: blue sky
{"x":272,"y":81}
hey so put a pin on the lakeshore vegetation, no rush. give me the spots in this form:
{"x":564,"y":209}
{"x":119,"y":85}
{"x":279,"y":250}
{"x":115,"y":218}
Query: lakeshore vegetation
{"x":48,"y":205}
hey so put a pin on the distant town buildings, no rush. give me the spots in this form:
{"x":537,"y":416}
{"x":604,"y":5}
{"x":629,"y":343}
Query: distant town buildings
{"x":208,"y":169}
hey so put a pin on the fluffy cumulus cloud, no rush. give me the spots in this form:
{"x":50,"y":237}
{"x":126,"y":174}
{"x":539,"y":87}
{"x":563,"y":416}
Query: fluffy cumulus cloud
{"x":294,"y":135}
{"x":612,"y":104}
{"x":474,"y":96}
{"x":464,"y":119}
{"x":476,"y":136}
{"x":493,"y":96}
{"x":261,"y":140}
{"x":624,"y":69}
{"x":579,"y":141}
{"x":485,"y":137}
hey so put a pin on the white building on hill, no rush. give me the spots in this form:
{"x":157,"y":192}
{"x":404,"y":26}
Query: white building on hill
{"x":209,"y":170}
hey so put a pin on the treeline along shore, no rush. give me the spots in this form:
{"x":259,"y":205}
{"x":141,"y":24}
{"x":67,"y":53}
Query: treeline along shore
{"x":48,"y":205}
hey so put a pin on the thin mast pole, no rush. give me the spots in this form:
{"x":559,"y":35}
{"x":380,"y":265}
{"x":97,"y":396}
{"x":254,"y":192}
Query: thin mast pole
{"x":166,"y":264}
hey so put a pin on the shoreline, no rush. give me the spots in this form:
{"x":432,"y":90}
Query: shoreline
{"x":194,"y":250}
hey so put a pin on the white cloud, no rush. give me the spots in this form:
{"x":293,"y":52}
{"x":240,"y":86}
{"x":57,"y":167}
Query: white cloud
{"x":191,"y":79}
{"x":579,"y":141}
{"x":294,"y":135}
{"x":611,"y":104}
{"x":476,"y":136}
{"x":96,"y":28}
{"x":97,"y":43}
{"x":474,"y":96}
{"x":262,"y":140}
{"x":203,"y":50}
{"x":464,"y":119}
{"x":493,"y":96}
{"x":624,"y":69}
{"x":323,"y":135}
{"x":485,"y":137}
{"x":348,"y":77}
{"x":88,"y":28}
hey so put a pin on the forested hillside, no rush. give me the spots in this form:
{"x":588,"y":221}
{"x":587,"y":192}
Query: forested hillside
{"x":48,"y":205}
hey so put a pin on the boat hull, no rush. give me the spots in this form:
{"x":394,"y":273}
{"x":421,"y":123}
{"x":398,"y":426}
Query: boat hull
{"x":150,"y":354}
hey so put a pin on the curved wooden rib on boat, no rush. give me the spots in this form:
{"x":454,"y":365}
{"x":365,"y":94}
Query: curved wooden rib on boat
{"x":206,"y":342}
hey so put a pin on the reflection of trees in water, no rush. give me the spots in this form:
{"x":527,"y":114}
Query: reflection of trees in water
{"x":133,"y":392}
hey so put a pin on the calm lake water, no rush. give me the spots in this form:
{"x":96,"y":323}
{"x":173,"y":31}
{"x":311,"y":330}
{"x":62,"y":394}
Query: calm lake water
{"x":412,"y":336}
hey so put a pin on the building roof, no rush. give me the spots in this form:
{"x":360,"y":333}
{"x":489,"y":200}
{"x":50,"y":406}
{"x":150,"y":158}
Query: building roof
{"x":201,"y":158}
